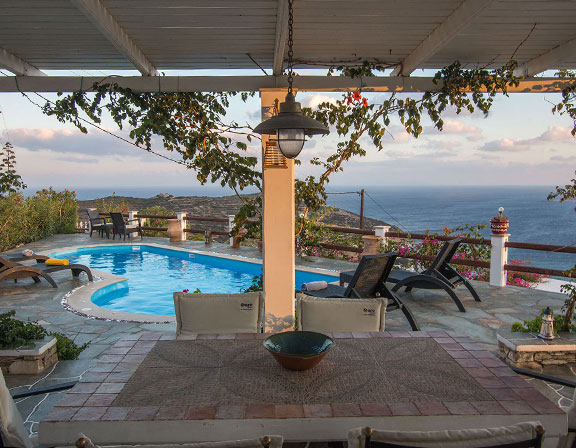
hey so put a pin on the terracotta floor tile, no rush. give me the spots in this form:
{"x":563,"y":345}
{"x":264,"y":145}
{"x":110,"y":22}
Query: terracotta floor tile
{"x":438,"y":334}
{"x":100,"y":400}
{"x":544,"y":406}
{"x":119,"y":377}
{"x":445,"y":340}
{"x":471,"y":346}
{"x":504,"y":394}
{"x":94,"y":377}
{"x":84,"y":388}
{"x":460,"y":408}
{"x":230,"y":412}
{"x":103,"y":367}
{"x":115,"y":414}
{"x":124,"y":343}
{"x":375,"y":409}
{"x":207,"y":336}
{"x":118,"y":350}
{"x":201,"y":413}
{"x":517,"y":407}
{"x":260,"y":411}
{"x":142,"y":414}
{"x":227,"y":336}
{"x":432,"y":408}
{"x":403,"y":409}
{"x":73,"y":400}
{"x":479,"y":372}
{"x":110,"y":358}
{"x":419,"y":334}
{"x":317,"y":410}
{"x":150,"y":336}
{"x":460,"y":354}
{"x":58,"y":414}
{"x":361,"y":335}
{"x":502,"y":371}
{"x":171,"y":413}
{"x":491,"y":362}
{"x":89,"y":413}
{"x":482,"y":354}
{"x":110,"y":388}
{"x":489,"y":408}
{"x":346,"y":410}
{"x":342,"y":335}
{"x":399,"y":334}
{"x":470,"y":363}
{"x":289,"y":411}
{"x":515,"y":381}
{"x":452,"y":346}
{"x":490,"y":381}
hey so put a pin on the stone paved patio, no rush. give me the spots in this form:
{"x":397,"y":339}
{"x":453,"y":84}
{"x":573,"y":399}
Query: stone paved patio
{"x":500,"y":307}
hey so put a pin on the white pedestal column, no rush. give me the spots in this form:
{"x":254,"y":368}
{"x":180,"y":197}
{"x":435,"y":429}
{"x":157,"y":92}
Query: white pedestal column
{"x":180,"y":217}
{"x":498,"y":259}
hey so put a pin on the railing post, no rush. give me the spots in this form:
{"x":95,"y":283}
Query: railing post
{"x":231,"y":227}
{"x":180,"y":217}
{"x":132,"y":215}
{"x":498,"y":258}
{"x":371,"y":244}
{"x":381,"y":232}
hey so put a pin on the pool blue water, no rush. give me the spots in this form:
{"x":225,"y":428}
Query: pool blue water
{"x":156,"y":273}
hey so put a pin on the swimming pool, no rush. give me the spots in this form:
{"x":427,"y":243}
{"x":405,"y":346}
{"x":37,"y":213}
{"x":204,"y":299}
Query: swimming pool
{"x":155,"y":273}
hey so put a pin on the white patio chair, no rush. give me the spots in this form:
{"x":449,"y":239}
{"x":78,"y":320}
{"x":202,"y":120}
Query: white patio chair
{"x":340,"y":315}
{"x":531,"y":433}
{"x":218,"y":313}
{"x":13,"y":433}
{"x":262,"y":442}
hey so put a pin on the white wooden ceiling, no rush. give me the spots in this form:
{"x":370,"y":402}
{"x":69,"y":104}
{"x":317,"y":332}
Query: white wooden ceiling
{"x":156,"y":35}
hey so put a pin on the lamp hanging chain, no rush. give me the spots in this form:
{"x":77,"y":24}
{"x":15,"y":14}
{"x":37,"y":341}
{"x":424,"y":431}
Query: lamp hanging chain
{"x":290,"y":45}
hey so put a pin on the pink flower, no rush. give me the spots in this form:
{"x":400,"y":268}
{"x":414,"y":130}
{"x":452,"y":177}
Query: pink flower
{"x":186,"y":290}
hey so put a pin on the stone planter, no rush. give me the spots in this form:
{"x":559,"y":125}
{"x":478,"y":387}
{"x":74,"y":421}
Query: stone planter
{"x":29,"y":361}
{"x":174,"y":230}
{"x":371,"y":244}
{"x":527,"y":351}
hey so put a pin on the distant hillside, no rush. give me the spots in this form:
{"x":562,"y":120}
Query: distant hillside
{"x":214,"y":207}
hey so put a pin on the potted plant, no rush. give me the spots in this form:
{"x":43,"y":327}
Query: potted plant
{"x":499,"y":224}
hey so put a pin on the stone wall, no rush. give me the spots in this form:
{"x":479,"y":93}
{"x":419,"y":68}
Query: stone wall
{"x":29,"y":362}
{"x":536,"y":359}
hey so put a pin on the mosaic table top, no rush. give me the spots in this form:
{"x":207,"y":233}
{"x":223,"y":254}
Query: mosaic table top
{"x":233,"y":377}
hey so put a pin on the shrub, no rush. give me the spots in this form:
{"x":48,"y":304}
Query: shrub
{"x":66,"y":348}
{"x":156,"y":222}
{"x":23,"y":220}
{"x":15,"y":333}
{"x":533,"y":326}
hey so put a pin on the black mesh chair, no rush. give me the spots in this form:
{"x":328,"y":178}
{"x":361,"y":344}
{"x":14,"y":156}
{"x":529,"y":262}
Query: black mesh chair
{"x":440,"y":275}
{"x":98,"y":223}
{"x":123,"y":227}
{"x":369,"y":280}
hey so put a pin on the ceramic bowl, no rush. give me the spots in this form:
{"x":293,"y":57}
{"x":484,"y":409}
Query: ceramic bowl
{"x":298,"y":350}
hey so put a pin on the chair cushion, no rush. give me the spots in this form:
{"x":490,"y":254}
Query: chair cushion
{"x":275,"y":442}
{"x":460,"y":438}
{"x":12,"y":429}
{"x":340,"y":315}
{"x":218,"y":313}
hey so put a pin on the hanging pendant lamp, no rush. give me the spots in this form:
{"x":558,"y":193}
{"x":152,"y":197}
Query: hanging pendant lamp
{"x":290,"y":126}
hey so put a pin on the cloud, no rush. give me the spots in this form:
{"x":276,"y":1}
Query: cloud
{"x":316,"y":99}
{"x":254,"y":115}
{"x":95,"y":143}
{"x":441,"y":143}
{"x":505,"y":144}
{"x":554,"y":134}
{"x":563,"y":159}
{"x":454,"y":127}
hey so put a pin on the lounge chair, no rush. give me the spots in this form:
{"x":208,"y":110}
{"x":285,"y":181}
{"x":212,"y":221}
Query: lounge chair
{"x":98,"y":223}
{"x":520,"y":435}
{"x":260,"y":442}
{"x":13,"y":433}
{"x":12,"y":270}
{"x":340,"y":315}
{"x":440,"y":275}
{"x":218,"y":313}
{"x":368,"y":281}
{"x":123,"y":227}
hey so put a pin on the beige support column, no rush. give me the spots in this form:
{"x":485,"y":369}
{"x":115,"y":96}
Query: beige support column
{"x":278,"y":232}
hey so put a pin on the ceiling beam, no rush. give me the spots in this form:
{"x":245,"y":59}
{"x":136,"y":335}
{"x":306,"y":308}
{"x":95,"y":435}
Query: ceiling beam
{"x":441,"y":35}
{"x":549,"y":60}
{"x":17,"y":65}
{"x":281,"y":36}
{"x":107,"y":25}
{"x":254,"y":83}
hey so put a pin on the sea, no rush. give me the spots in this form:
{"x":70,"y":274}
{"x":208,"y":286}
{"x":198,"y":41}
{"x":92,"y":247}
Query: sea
{"x":533,"y":219}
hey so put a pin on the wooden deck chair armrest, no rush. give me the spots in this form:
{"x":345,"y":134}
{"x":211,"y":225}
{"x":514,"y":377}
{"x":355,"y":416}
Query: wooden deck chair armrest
{"x":44,"y":390}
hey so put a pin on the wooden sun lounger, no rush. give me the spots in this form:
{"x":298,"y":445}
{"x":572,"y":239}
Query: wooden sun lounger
{"x":13,"y":270}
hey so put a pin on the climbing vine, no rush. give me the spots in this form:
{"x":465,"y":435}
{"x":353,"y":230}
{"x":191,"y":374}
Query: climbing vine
{"x":193,"y":124}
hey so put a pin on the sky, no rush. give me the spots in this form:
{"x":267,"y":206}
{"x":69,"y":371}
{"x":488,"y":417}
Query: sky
{"x":520,"y":143}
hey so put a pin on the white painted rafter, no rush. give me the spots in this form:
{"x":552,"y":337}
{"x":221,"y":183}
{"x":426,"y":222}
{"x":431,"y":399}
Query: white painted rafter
{"x":107,"y":25}
{"x":254,"y":83}
{"x":17,"y":65}
{"x":281,"y":36}
{"x":550,"y":60}
{"x":441,"y":35}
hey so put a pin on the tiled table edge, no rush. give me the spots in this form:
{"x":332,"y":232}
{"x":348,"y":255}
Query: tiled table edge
{"x":89,"y":400}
